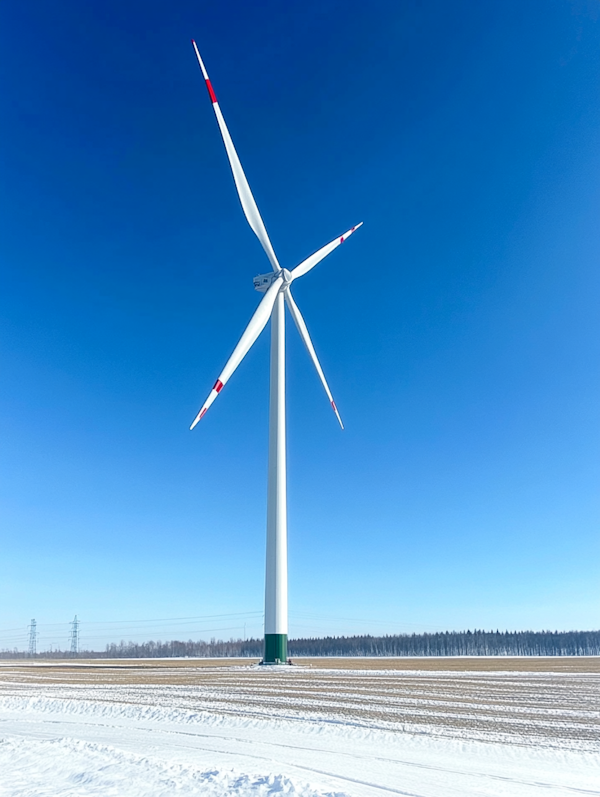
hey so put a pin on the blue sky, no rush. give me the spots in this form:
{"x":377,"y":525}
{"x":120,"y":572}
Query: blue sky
{"x":458,"y":328}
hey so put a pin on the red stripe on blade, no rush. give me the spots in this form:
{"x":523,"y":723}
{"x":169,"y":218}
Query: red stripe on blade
{"x":213,"y":96}
{"x":334,"y":407}
{"x":202,"y":413}
{"x":218,"y":386}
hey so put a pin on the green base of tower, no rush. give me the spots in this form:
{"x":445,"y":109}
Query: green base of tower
{"x":275,"y":649}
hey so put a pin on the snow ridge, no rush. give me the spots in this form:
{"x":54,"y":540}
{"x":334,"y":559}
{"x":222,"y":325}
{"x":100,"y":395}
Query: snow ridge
{"x":70,"y":767}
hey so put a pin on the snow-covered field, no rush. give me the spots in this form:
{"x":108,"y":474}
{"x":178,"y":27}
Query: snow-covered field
{"x":184,"y":728}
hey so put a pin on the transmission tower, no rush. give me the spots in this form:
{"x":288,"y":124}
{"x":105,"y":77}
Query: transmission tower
{"x":75,"y":636}
{"x":32,"y":637}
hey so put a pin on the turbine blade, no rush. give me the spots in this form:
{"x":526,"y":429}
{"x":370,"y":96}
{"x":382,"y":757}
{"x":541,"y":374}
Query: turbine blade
{"x":302,"y":329}
{"x":252,"y":331}
{"x":312,"y":261}
{"x":245,"y":194}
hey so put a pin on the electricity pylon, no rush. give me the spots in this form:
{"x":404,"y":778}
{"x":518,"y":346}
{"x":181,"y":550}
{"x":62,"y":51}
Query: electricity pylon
{"x":74,"y":636}
{"x":32,"y":638}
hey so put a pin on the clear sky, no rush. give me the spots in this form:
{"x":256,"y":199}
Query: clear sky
{"x":458,"y":328}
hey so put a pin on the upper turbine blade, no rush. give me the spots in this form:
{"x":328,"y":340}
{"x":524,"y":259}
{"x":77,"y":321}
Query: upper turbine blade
{"x":248,"y":204}
{"x":252,"y":331}
{"x":302,"y":329}
{"x":312,"y":261}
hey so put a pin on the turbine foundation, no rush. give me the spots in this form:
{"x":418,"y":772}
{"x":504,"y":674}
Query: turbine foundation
{"x":275,"y":649}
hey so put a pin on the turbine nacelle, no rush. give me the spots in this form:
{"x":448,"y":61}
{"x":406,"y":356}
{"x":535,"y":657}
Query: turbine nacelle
{"x":263,"y":282}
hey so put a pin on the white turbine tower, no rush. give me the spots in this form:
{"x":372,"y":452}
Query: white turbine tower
{"x":276,"y":289}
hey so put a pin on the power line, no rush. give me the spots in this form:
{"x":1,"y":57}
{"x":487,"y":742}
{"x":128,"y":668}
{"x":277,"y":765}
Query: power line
{"x":171,"y":627}
{"x":170,"y":619}
{"x":8,"y":630}
{"x":330,"y":618}
{"x":139,"y":622}
{"x":146,"y":633}
{"x":131,"y":628}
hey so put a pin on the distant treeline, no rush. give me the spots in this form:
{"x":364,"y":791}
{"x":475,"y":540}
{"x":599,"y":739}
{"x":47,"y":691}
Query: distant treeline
{"x":449,"y":643}
{"x":456,"y":643}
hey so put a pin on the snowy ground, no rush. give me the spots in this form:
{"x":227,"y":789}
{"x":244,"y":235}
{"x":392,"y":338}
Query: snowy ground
{"x":155,"y":728}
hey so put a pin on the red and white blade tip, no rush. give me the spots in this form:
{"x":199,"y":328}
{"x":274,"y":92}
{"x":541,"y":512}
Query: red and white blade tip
{"x":211,"y":93}
{"x":349,"y":233}
{"x":212,"y":396}
{"x":335,"y":409}
{"x":198,"y":417}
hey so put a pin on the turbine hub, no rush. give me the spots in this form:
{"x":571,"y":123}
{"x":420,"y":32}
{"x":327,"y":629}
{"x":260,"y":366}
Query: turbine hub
{"x":287,"y":277}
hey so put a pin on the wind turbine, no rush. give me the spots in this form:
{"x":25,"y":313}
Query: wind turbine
{"x":276,"y":289}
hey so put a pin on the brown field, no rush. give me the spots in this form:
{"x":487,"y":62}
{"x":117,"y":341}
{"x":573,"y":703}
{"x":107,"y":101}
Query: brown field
{"x":550,"y":701}
{"x":547,"y":664}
